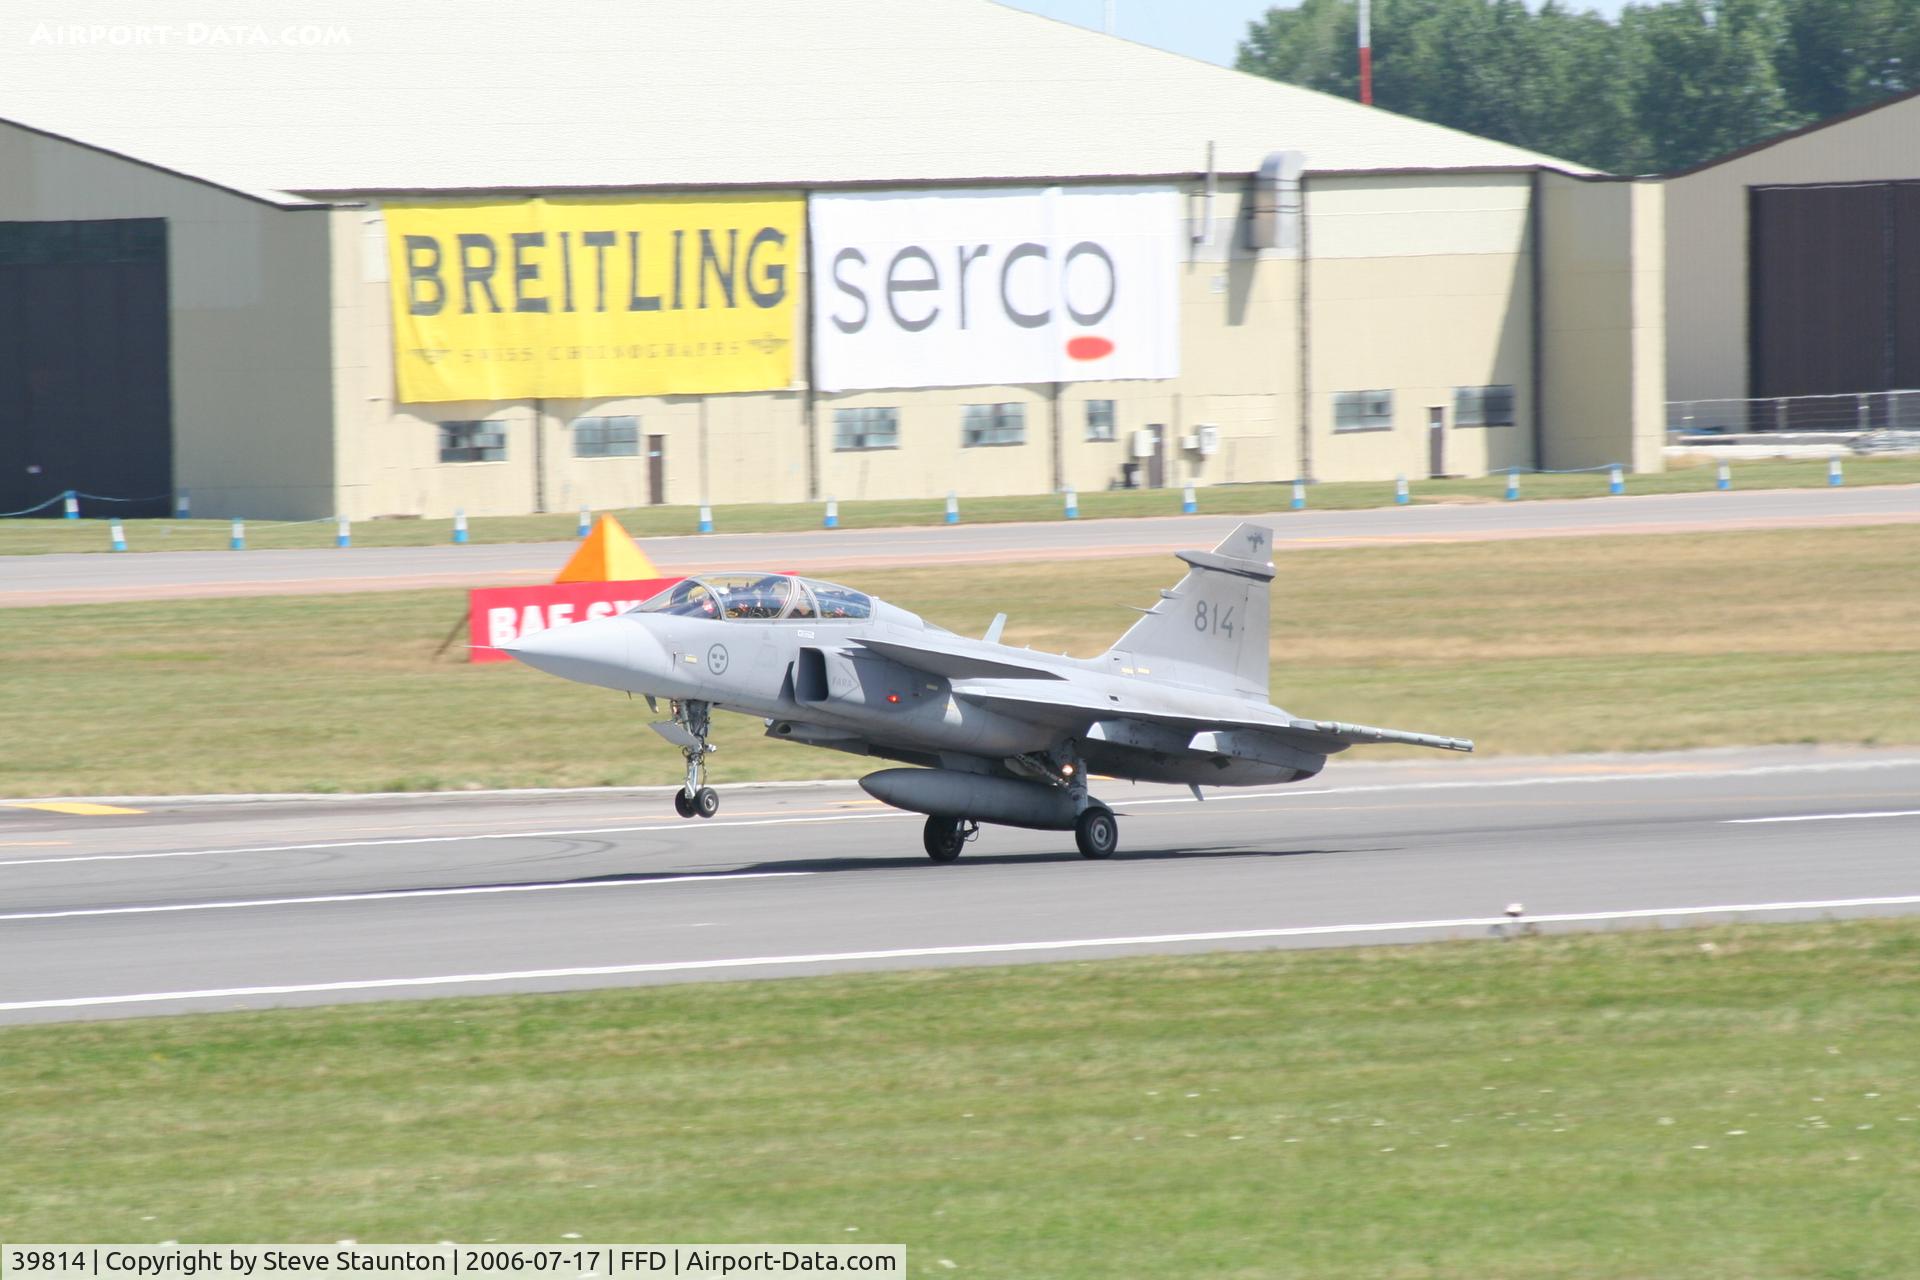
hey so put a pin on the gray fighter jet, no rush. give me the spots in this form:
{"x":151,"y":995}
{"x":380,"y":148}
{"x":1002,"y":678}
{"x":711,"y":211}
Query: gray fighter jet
{"x":995,"y":734}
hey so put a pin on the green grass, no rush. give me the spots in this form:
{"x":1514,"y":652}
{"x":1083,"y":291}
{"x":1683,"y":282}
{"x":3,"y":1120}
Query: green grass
{"x":28,"y":537}
{"x":1728,"y":1104}
{"x":1532,"y":646}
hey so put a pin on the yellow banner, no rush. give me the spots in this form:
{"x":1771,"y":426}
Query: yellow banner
{"x":593,"y":297}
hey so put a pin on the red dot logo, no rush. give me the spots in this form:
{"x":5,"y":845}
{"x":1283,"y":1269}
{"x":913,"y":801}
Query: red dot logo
{"x":1089,"y":348}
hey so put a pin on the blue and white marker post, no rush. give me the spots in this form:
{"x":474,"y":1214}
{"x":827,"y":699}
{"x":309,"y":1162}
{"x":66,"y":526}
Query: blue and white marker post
{"x":586,"y":522}
{"x":1400,"y":495}
{"x":833,"y":514}
{"x":1073,"y":503}
{"x":706,"y":518}
{"x":1299,"y":502}
{"x":953,"y":507}
{"x":183,"y":505}
{"x":1616,"y":481}
{"x":1724,"y":478}
{"x":342,"y":532}
{"x":1513,"y":484}
{"x":117,"y":534}
{"x":459,"y":526}
{"x":1834,"y":476}
{"x":237,"y":535}
{"x":73,"y":505}
{"x":1188,"y":503}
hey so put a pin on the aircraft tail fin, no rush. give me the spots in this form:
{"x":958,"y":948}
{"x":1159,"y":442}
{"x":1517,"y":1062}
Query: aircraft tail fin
{"x":1211,"y":630}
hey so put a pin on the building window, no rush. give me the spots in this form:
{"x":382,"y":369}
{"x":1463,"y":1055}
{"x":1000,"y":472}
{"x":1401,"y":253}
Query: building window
{"x":606,"y":437}
{"x":473,"y":441}
{"x":1483,"y":406}
{"x":1100,"y":420}
{"x":866,"y":428}
{"x":991,"y":424}
{"x":1363,"y":411}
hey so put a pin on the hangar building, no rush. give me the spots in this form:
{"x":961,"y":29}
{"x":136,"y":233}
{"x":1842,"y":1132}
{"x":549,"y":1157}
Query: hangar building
{"x":1793,"y":269}
{"x":314,"y":259}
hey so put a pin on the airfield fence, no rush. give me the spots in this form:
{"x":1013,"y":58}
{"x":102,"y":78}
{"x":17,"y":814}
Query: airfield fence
{"x":1862,"y":412}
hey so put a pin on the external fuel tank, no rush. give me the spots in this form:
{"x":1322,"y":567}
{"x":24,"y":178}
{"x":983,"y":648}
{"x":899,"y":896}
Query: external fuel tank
{"x":950,"y":793}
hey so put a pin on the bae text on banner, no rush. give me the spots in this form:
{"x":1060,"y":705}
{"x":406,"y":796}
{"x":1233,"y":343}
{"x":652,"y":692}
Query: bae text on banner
{"x":514,"y":300}
{"x":987,"y":287}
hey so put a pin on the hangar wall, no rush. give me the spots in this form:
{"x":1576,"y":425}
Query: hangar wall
{"x":1603,"y":323}
{"x":1416,"y":284}
{"x":247,"y":289}
{"x":1239,"y":371}
{"x":1706,"y":234}
{"x":1419,"y":285}
{"x":729,"y":448}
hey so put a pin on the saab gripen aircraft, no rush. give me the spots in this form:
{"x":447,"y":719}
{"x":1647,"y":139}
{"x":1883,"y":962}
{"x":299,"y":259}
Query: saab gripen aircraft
{"x":995,"y":734}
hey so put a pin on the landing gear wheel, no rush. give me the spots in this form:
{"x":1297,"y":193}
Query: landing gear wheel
{"x":695,"y":799}
{"x":943,"y":838}
{"x":1097,"y":834}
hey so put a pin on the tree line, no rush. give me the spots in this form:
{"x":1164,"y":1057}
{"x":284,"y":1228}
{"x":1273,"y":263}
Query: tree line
{"x":1665,"y":86}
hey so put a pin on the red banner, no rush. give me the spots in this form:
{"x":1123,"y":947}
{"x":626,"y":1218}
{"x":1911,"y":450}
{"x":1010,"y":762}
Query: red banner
{"x":499,"y":615}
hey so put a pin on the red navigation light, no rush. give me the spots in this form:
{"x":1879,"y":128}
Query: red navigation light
{"x":893,"y":697}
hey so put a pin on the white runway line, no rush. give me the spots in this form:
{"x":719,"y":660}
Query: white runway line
{"x":1830,"y":817}
{"x":1675,"y":775}
{"x":918,"y":953}
{"x":696,"y":825}
{"x":692,"y":824}
{"x":383,"y":895}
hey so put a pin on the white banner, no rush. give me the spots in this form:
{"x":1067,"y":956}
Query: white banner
{"x":987,"y":287}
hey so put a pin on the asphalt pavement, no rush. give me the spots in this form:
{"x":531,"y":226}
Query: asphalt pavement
{"x":105,"y":577}
{"x":197,"y":905}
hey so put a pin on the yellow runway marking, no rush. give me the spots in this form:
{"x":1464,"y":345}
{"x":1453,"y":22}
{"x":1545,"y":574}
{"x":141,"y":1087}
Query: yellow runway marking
{"x":79,"y":807}
{"x":33,"y":844}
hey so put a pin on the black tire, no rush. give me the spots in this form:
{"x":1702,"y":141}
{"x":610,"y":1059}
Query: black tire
{"x":943,"y":839}
{"x":1097,"y":834}
{"x":682,"y":803}
{"x":706,"y":802}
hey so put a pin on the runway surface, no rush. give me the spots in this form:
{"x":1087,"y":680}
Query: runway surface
{"x":191,"y":906}
{"x":103,"y":577}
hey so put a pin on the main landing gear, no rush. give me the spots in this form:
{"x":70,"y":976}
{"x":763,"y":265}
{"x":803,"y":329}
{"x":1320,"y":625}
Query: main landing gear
{"x":945,"y":837}
{"x":1094,"y":828}
{"x":1095,"y":831}
{"x":1018,"y":803}
{"x":695,"y":799}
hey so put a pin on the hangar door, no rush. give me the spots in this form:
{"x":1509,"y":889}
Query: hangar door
{"x":1834,"y":289}
{"x":84,"y":400}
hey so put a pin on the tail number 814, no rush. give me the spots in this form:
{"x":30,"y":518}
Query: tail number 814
{"x":1211,"y":617}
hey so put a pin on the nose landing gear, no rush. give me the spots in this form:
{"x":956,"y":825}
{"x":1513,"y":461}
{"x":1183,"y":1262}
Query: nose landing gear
{"x":695,"y":799}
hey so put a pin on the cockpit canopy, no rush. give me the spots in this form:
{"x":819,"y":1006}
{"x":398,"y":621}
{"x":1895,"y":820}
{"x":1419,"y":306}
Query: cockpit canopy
{"x":759,"y":597}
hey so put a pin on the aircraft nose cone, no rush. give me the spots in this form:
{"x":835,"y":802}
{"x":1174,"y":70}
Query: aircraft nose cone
{"x":598,"y":652}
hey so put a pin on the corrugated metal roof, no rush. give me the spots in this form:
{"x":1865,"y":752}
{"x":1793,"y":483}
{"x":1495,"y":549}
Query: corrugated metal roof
{"x":355,"y":95}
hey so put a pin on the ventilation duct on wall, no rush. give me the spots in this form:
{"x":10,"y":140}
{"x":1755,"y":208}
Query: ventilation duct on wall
{"x":1275,"y":220}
